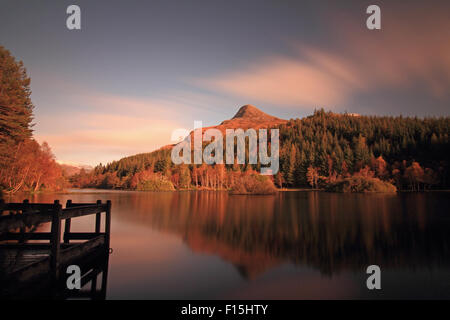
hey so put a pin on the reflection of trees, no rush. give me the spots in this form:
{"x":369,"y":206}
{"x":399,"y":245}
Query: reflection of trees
{"x":330,"y":232}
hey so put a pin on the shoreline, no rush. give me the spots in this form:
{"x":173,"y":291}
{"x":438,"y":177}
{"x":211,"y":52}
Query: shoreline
{"x":97,"y":190}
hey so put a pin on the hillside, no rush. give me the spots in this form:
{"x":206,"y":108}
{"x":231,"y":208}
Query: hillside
{"x":70,"y":169}
{"x":316,"y":151}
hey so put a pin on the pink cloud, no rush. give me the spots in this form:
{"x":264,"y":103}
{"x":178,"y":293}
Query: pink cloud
{"x":286,"y":81}
{"x":411,"y":51}
{"x":130,"y":126}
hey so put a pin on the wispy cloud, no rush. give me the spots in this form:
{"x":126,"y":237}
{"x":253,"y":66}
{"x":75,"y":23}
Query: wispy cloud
{"x":115,"y":127}
{"x":323,"y":79}
{"x":412,"y":52}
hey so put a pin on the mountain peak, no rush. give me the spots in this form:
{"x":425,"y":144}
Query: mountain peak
{"x":249,"y":116}
{"x":252,"y":113}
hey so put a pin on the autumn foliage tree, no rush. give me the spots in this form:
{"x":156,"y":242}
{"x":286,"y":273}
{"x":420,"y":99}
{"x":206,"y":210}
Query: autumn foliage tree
{"x":313,"y":176}
{"x":415,"y":176}
{"x":24,"y":164}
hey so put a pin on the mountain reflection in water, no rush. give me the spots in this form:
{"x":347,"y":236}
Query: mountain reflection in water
{"x":289,"y":245}
{"x":330,"y":232}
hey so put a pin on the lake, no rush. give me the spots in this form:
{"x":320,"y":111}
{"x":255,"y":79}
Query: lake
{"x":293,"y":245}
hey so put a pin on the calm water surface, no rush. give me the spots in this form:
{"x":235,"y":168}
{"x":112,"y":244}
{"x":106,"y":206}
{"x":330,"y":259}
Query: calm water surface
{"x":294,"y":245}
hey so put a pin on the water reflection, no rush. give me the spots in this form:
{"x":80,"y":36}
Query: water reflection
{"x":201,"y":245}
{"x":329,"y":232}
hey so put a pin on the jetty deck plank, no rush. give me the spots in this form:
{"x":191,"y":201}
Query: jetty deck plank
{"x":13,"y":259}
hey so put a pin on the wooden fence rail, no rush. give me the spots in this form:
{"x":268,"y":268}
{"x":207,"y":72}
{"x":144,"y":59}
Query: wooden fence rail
{"x":19,"y":225}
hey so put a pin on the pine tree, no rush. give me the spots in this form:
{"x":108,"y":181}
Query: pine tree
{"x":16,"y":113}
{"x":290,"y":177}
{"x":15,"y":103}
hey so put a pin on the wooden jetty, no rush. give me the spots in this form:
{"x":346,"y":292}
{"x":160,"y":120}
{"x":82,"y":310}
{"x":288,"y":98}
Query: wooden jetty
{"x":34,"y":264}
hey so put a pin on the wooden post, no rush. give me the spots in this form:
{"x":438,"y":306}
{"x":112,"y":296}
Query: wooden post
{"x":107,"y":224}
{"x":26,"y":207}
{"x":107,"y":247}
{"x":55,"y":239}
{"x":104,"y":282}
{"x":98,"y":219}
{"x":67,"y":224}
{"x":94,"y":284}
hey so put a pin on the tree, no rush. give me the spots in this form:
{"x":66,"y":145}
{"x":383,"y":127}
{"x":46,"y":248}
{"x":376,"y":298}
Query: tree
{"x":185,"y":176}
{"x":194,"y":175}
{"x":19,"y":171}
{"x":220,"y":168}
{"x":290,"y":174}
{"x":15,"y":103}
{"x":430,"y":178}
{"x":380,"y":167}
{"x":47,"y":173}
{"x":279,"y":179}
{"x":16,"y":113}
{"x":312,"y":175}
{"x":344,"y":169}
{"x":111,"y":180}
{"x":361,"y":153}
{"x":414,"y":174}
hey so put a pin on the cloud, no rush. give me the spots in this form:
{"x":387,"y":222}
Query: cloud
{"x":286,"y":81}
{"x":115,"y":127}
{"x":411,"y":52}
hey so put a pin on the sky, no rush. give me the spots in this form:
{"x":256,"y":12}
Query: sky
{"x":137,"y":70}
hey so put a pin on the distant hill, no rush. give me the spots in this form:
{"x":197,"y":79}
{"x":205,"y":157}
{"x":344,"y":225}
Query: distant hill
{"x":69,"y":168}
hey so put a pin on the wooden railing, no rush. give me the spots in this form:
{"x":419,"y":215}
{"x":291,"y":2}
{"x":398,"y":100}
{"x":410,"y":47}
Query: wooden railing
{"x":18,"y":226}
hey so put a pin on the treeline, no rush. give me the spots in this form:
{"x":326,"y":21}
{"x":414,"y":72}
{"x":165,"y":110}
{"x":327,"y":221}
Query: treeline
{"x":325,"y":150}
{"x":24,"y":164}
{"x":320,"y":151}
{"x":410,"y":153}
{"x":31,"y":168}
{"x":155,"y":171}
